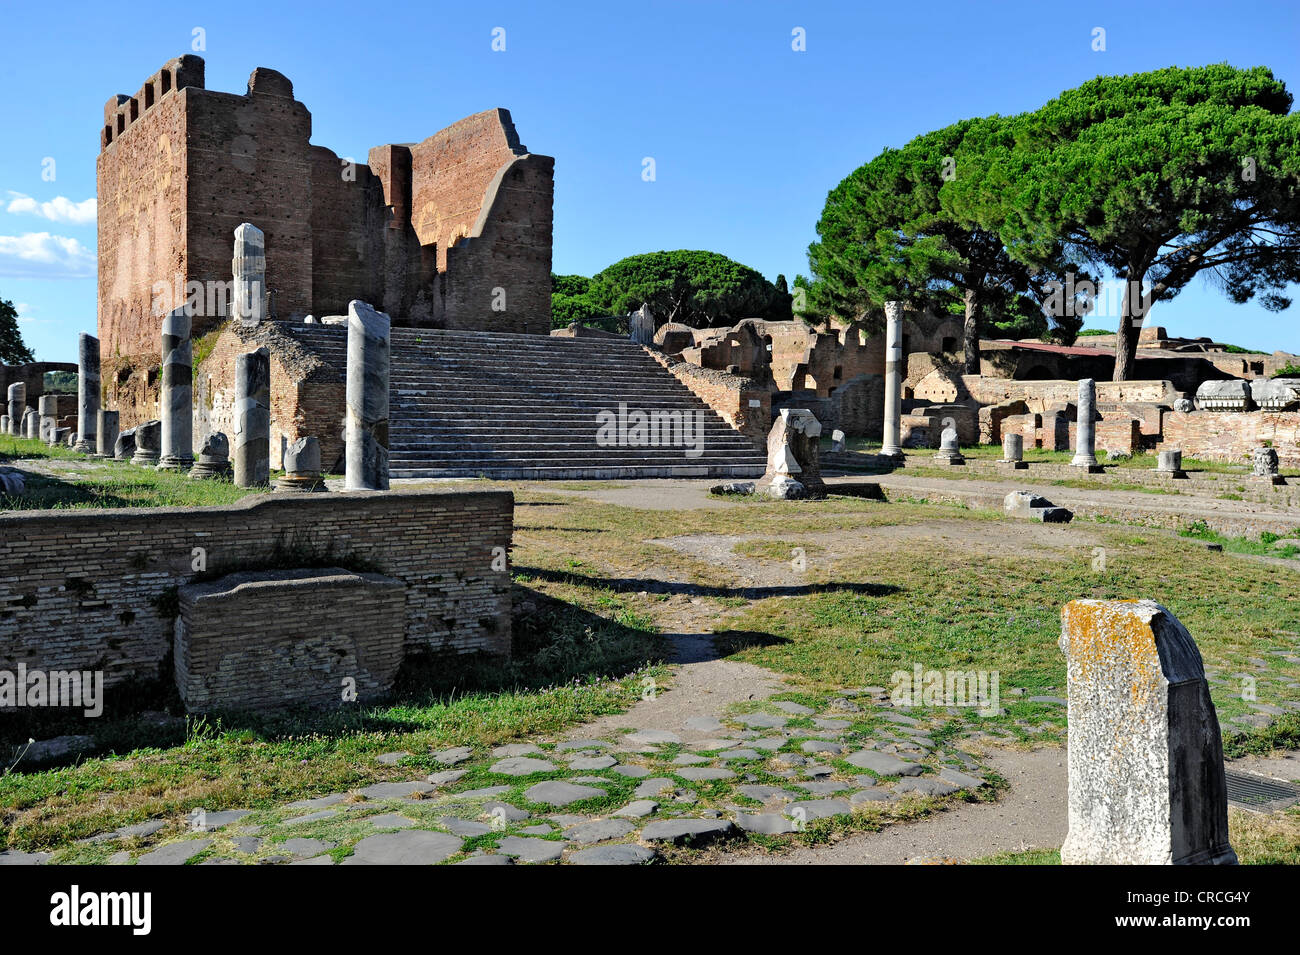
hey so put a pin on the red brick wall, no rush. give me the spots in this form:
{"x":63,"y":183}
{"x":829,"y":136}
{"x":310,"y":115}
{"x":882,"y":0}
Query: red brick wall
{"x":1231,"y":436}
{"x":741,"y":402}
{"x":89,"y":589}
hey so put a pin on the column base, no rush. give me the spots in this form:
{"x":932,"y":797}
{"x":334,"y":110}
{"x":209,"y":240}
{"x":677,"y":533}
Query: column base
{"x":1274,"y":479}
{"x":211,"y":471}
{"x":950,"y":458}
{"x":301,"y":484}
{"x":1088,"y":467}
{"x":1013,"y":465}
{"x":1173,"y":475}
{"x":86,"y":447}
{"x":145,"y":460}
{"x":175,"y":462}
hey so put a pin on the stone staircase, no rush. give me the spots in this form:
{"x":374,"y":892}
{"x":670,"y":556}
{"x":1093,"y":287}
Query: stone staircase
{"x":471,"y":404}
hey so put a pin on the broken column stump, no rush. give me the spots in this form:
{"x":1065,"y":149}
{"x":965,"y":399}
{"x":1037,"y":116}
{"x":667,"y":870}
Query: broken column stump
{"x":1147,"y":785}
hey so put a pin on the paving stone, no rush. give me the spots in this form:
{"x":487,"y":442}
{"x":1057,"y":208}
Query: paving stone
{"x":446,"y":777}
{"x":815,"y":770}
{"x":407,"y":847}
{"x":557,"y":793}
{"x":320,"y":802}
{"x":871,"y":795}
{"x":487,"y":860}
{"x":212,"y":821}
{"x":390,"y":820}
{"x":314,"y":860}
{"x":464,"y":827}
{"x":603,"y":780}
{"x":638,"y":809}
{"x":821,"y":746}
{"x":516,"y":749}
{"x":882,"y":763}
{"x":686,"y":831}
{"x":796,"y":709}
{"x":762,"y":720}
{"x":503,"y":810}
{"x":523,"y":766}
{"x":824,"y":788}
{"x":396,"y":790}
{"x":789,"y":759}
{"x":927,"y":786}
{"x":961,"y":780}
{"x":866,"y":782}
{"x":764,"y":793}
{"x":704,"y":773}
{"x":483,"y":793}
{"x":632,"y":772}
{"x":247,"y":844}
{"x":652,"y":738}
{"x":688,"y":759}
{"x":741,"y":754}
{"x":539,"y":830}
{"x":709,"y":745}
{"x":311,"y":817}
{"x":531,"y":850}
{"x":17,"y":857}
{"x":901,"y":718}
{"x":457,"y":754}
{"x":832,"y":724}
{"x":772,"y":743}
{"x":613,"y":855}
{"x":390,"y":759}
{"x":599,"y":830}
{"x":703,"y":724}
{"x":565,"y":820}
{"x":765,"y":823}
{"x":141,"y":829}
{"x":117,"y":858}
{"x":175,"y":853}
{"x":304,"y":847}
{"x":1049,"y":699}
{"x":818,"y":808}
{"x":581,"y":744}
{"x":653,"y":787}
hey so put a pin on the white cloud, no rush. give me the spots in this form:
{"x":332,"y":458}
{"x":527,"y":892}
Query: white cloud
{"x":58,"y":209}
{"x":40,"y":255}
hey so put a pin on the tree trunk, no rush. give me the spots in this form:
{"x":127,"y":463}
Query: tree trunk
{"x":971,"y":333}
{"x":1130,"y":321}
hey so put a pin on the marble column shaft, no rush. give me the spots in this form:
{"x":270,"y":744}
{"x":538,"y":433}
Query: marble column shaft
{"x":248,"y":267}
{"x":87,"y":392}
{"x":17,"y":406}
{"x":176,"y":400}
{"x":367,"y":399}
{"x":106,"y":434}
{"x":893,"y":379}
{"x":252,"y":466}
{"x":1084,"y":430}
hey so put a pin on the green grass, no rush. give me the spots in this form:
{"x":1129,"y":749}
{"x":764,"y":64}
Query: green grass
{"x":99,"y":484}
{"x":1267,"y":544}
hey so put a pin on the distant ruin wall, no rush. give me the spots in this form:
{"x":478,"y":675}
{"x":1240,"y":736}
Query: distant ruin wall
{"x":741,"y":402}
{"x":97,"y":589}
{"x":1231,"y":436}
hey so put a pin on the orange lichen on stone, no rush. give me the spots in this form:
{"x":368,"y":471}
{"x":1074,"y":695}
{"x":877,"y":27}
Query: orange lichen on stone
{"x":1100,"y":634}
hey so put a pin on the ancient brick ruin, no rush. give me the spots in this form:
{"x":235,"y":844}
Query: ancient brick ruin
{"x":451,"y":232}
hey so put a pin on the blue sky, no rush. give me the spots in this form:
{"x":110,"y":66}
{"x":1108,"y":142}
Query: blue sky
{"x":747,"y":134}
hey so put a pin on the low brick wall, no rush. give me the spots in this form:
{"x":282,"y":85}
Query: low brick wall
{"x":254,"y":640}
{"x":739,"y":401}
{"x":1232,"y":435}
{"x":98,"y":589}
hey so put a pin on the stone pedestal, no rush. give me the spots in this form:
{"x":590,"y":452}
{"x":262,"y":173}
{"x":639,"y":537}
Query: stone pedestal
{"x":366,"y":422}
{"x":1013,"y":453}
{"x":213,"y":461}
{"x":106,"y":434}
{"x":48,"y":406}
{"x":62,"y":437}
{"x":148,"y":444}
{"x":1085,"y":451}
{"x":1146,"y":785}
{"x":793,"y":456}
{"x":895,"y":366}
{"x":302,"y":467}
{"x":837,"y":441}
{"x":253,"y":419}
{"x":4,"y":424}
{"x":949,"y":450}
{"x":1170,"y":464}
{"x":643,"y":326}
{"x":249,"y":271}
{"x":1264,"y":466}
{"x":32,"y":425}
{"x":176,"y":399}
{"x":17,"y":407}
{"x":124,"y":446}
{"x":87,"y":393}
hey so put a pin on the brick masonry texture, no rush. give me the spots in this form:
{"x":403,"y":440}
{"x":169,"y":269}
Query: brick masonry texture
{"x":739,"y":401}
{"x":96,"y":589}
{"x":451,"y":232}
{"x":254,"y":640}
{"x":1231,"y":436}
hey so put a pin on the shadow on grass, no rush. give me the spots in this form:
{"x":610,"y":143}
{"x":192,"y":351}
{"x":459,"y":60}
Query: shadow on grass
{"x":555,"y":643}
{"x":653,"y":586}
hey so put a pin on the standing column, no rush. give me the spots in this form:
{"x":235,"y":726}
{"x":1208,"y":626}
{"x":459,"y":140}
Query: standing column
{"x":87,"y":392}
{"x":1085,"y":455}
{"x":367,"y":399}
{"x":49,"y":409}
{"x":32,"y":424}
{"x":177,"y":390}
{"x":249,"y":270}
{"x":893,"y":380}
{"x":253,"y":418}
{"x":17,"y":404}
{"x":106,"y":434}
